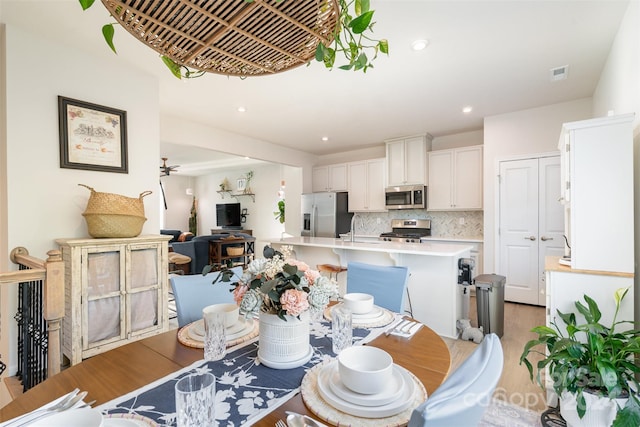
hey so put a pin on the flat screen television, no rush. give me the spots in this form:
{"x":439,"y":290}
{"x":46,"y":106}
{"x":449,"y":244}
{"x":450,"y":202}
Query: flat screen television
{"x":228,"y":215}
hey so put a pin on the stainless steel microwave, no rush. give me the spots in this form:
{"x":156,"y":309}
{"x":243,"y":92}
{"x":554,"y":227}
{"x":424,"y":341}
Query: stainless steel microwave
{"x":406,"y":197}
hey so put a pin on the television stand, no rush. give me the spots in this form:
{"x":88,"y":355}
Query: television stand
{"x":231,"y":231}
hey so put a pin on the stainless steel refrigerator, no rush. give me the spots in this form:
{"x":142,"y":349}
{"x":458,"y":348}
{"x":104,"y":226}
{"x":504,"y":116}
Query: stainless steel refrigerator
{"x":325,"y":214}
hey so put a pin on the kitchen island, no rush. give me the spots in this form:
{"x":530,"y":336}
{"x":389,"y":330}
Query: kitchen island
{"x":435,"y":296}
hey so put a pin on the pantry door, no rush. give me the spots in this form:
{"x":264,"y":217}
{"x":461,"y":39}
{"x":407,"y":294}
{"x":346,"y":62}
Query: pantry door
{"x":531,"y":225}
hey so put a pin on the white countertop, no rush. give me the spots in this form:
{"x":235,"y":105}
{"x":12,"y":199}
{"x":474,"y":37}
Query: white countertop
{"x":455,"y":239}
{"x":432,"y":249}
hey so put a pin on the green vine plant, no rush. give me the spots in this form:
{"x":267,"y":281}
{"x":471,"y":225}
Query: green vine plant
{"x":349,"y":39}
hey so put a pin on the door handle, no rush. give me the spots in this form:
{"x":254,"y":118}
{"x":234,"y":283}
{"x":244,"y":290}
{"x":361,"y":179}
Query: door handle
{"x":544,"y":239}
{"x":532,"y":238}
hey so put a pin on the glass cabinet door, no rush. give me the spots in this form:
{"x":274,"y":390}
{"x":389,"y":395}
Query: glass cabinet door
{"x":144,"y":290}
{"x":105,"y":282}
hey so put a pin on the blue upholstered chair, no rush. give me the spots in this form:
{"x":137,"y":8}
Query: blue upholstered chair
{"x":465,"y":394}
{"x":386,"y":283}
{"x":194,"y":292}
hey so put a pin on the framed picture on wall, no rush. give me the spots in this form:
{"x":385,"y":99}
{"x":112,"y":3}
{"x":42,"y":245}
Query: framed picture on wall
{"x":92,"y":137}
{"x":241,"y":184}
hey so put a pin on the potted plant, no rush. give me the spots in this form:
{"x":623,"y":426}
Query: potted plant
{"x":591,"y":365}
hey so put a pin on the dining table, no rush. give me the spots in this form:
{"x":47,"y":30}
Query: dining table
{"x":123,"y":370}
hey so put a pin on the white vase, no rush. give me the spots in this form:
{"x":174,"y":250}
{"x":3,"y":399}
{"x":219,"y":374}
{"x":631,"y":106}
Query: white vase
{"x":284,"y":344}
{"x":601,"y":411}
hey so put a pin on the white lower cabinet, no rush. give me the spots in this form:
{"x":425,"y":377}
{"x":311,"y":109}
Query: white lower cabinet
{"x":116,"y":291}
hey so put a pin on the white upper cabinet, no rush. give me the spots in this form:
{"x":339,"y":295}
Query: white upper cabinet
{"x":407,"y":160}
{"x":597,"y":188}
{"x":455,"y":179}
{"x":366,"y":186}
{"x":329,"y":178}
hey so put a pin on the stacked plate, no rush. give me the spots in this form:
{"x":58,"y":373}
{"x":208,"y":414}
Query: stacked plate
{"x":396,"y":398}
{"x":239,"y":329}
{"x":377,"y":317}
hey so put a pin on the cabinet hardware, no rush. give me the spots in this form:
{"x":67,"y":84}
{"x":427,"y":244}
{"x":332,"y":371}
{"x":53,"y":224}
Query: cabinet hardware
{"x":544,"y":238}
{"x":532,"y":238}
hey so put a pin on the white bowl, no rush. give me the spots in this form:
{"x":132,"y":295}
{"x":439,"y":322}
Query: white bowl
{"x":365,"y":369}
{"x":358,"y":303}
{"x":231,"y":311}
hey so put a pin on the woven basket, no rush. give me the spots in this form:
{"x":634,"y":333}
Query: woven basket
{"x":233,"y":251}
{"x":113,"y":215}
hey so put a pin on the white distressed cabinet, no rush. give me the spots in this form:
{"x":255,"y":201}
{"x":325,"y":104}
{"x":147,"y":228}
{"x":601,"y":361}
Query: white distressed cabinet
{"x":597,"y":191}
{"x":407,"y":160}
{"x":366,"y":186}
{"x":116,"y":291}
{"x":329,"y":178}
{"x":455,"y":179}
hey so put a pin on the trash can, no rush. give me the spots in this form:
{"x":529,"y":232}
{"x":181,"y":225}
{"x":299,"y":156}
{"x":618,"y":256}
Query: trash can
{"x":490,"y":302}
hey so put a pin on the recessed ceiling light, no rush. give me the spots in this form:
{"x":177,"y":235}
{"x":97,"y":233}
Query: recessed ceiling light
{"x":467,"y":109}
{"x":242,"y":109}
{"x":325,"y":138}
{"x":419,"y":44}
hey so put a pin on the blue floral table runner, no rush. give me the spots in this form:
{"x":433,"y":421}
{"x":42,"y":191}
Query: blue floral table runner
{"x":245,"y":389}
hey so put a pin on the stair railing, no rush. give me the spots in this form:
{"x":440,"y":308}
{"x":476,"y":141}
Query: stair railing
{"x":40,"y":313}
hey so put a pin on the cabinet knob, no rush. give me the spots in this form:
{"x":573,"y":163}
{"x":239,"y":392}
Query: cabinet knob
{"x":532,"y":238}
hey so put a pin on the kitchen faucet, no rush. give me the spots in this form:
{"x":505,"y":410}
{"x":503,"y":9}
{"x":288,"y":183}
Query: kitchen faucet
{"x":353,"y":227}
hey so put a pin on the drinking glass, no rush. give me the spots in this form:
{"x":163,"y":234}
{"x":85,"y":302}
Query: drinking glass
{"x":341,"y":328}
{"x":195,"y":400}
{"x":215,"y":339}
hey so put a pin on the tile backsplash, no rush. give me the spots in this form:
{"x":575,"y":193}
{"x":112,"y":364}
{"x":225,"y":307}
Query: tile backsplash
{"x":443,"y":224}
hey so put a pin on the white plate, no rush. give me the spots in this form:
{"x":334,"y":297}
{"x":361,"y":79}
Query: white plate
{"x":392,"y":408}
{"x":373,"y":314}
{"x":85,"y":417}
{"x":391,"y":393}
{"x":240,"y":328}
{"x":287,"y":365}
{"x":127,"y":420}
{"x":198,"y":327}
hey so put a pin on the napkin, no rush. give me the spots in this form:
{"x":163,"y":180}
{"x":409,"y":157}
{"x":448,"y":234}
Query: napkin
{"x":407,"y":331}
{"x":36,"y":413}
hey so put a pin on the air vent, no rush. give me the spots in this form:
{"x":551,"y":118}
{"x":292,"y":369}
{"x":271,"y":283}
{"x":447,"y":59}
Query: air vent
{"x":558,"y":73}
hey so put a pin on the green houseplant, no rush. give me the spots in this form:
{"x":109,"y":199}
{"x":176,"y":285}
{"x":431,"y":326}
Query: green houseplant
{"x":590,"y":358}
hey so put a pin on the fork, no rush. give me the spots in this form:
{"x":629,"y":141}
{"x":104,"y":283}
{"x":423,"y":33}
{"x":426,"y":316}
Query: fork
{"x":68,"y":404}
{"x":398,"y":327}
{"x":61,"y":404}
{"x":281,"y":423}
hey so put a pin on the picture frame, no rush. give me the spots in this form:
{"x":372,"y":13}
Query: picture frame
{"x":92,"y":137}
{"x":241,"y":184}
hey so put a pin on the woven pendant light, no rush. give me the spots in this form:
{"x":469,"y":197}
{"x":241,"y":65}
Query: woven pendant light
{"x":230,"y":37}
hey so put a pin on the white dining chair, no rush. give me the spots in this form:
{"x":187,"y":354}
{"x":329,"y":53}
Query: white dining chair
{"x":194,"y":292}
{"x":387,"y":283}
{"x":466,"y":393}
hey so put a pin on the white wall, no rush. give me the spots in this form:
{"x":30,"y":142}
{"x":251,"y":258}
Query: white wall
{"x":44,"y":201}
{"x":522,"y":132}
{"x":176,"y":216}
{"x":457,"y":140}
{"x":619,"y":91}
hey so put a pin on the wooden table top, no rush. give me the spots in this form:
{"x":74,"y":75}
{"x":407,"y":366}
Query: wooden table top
{"x":127,"y":368}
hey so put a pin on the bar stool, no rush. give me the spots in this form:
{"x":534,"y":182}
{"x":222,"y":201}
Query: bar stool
{"x":331,"y":269}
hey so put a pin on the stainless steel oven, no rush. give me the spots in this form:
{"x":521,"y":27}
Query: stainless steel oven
{"x":406,"y":197}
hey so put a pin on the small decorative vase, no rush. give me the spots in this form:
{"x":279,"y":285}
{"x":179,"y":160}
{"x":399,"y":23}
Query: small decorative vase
{"x":284,"y":344}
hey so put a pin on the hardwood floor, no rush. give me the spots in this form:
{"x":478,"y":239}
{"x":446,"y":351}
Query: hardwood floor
{"x":514,"y":386}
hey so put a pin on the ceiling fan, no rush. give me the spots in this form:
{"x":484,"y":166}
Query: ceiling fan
{"x":166,"y":170}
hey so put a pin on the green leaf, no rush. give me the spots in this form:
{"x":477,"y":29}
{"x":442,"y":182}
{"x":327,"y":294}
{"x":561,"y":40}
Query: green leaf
{"x":361,"y":23}
{"x":383,"y":45}
{"x":107,"y":32}
{"x":320,"y":52}
{"x":172,"y":65}
{"x":593,"y":309}
{"x":86,"y":4}
{"x":620,"y":294}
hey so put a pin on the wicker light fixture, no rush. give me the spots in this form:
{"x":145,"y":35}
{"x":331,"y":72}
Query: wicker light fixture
{"x":230,"y":37}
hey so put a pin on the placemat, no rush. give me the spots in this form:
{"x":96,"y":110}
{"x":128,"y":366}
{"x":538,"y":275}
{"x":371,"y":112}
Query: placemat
{"x":184,"y":338}
{"x":326,"y":412}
